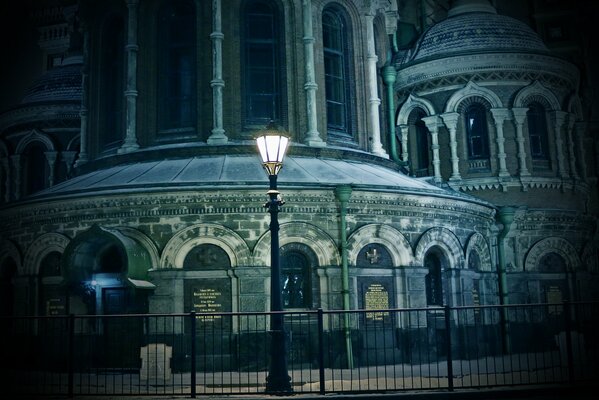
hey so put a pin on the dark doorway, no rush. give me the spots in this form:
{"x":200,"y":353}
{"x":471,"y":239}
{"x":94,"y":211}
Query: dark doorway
{"x":122,"y":334}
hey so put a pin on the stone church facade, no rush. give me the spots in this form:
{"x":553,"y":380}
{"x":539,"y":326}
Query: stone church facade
{"x":443,"y":152}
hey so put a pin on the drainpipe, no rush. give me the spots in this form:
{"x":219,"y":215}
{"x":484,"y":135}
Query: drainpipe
{"x":505,"y":217}
{"x":389,"y":75}
{"x":343,"y":193}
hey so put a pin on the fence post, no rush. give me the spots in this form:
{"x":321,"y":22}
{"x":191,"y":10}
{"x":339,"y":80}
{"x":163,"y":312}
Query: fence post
{"x":71,"y":353}
{"x":568,"y":328}
{"x":448,"y":339}
{"x":192,"y":324}
{"x":321,"y":350}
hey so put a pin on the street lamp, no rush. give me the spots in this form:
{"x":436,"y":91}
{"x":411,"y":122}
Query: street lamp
{"x":272,"y":144}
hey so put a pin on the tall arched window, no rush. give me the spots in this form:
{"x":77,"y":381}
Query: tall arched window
{"x":476,"y":132}
{"x":176,"y":68}
{"x":433,"y":280}
{"x":422,"y":146}
{"x":298,"y":263}
{"x":36,"y":168}
{"x":335,"y":39}
{"x":263,"y":61}
{"x":537,"y":132}
{"x":112,"y":83}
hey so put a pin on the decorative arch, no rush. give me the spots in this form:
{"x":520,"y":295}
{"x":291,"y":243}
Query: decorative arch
{"x":445,"y":240}
{"x":556,"y":245}
{"x":299,"y":232}
{"x":472,"y":89}
{"x":181,"y":243}
{"x":74,"y":144}
{"x":147,"y":243}
{"x":574,"y":106}
{"x":477,"y":243}
{"x":35,"y":136}
{"x":10,"y":250}
{"x":3,"y":149}
{"x":391,"y":238}
{"x":40,"y":247}
{"x":412,"y":103}
{"x":80,"y":257}
{"x":535,"y":89}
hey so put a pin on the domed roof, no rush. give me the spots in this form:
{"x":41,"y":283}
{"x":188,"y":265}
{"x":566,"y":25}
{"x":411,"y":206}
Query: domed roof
{"x":474,"y":27}
{"x":62,"y":83}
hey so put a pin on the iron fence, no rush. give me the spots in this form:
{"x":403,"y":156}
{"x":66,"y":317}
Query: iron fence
{"x":440,"y":348}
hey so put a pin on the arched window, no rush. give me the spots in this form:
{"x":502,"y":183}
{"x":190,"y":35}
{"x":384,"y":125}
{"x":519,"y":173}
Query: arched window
{"x":552,"y":263}
{"x":50,"y":265}
{"x":112,"y":83}
{"x":473,"y":261}
{"x":422,"y":146}
{"x":176,"y":68}
{"x":263,"y":62}
{"x":297,"y":266}
{"x":537,"y":132}
{"x":433,"y":280}
{"x":476,"y":132}
{"x":206,"y":257}
{"x":36,"y":168}
{"x":335,"y":39}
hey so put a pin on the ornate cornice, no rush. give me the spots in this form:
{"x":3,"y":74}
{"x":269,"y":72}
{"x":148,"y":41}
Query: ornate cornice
{"x":454,"y":72}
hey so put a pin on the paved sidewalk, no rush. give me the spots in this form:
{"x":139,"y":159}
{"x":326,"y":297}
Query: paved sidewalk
{"x":523,"y":393}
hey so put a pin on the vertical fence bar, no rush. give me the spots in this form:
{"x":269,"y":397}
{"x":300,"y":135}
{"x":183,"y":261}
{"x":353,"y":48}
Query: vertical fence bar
{"x":71,"y":362}
{"x":449,"y":358}
{"x":568,"y":327}
{"x":321,"y":350}
{"x":192,"y":324}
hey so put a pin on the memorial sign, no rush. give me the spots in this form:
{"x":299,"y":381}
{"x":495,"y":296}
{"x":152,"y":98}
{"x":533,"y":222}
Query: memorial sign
{"x":209,"y":296}
{"x":376,"y":294}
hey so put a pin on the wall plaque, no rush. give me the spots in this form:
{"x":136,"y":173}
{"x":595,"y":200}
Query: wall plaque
{"x":206,"y":296}
{"x":376,"y":294}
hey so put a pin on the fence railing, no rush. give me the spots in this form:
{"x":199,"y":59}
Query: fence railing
{"x":327,"y":351}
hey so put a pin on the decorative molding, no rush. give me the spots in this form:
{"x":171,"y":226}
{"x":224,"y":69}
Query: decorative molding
{"x":35,"y":136}
{"x":444,"y":239}
{"x":392,"y":239}
{"x":182,"y":242}
{"x":536,"y":88}
{"x":479,"y":244}
{"x":472,"y":89}
{"x":552,"y":245}
{"x":411,"y":104}
{"x":312,"y":236}
{"x":39,"y":248}
{"x":8,"y":249}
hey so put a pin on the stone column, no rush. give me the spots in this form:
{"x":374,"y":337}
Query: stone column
{"x":51,"y":159}
{"x":579,"y":129}
{"x":405,"y":129}
{"x":16,"y":167}
{"x":130,"y":143}
{"x":571,"y":153}
{"x":432,"y":123}
{"x":519,"y":115}
{"x":218,"y":132}
{"x":7,"y":176}
{"x":376,"y":147}
{"x":559,"y":117}
{"x":83,"y":157}
{"x":68,"y":157}
{"x":500,"y":115}
{"x":451,"y":122}
{"x":312,"y":136}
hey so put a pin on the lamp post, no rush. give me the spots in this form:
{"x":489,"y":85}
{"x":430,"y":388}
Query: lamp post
{"x":272,"y":144}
